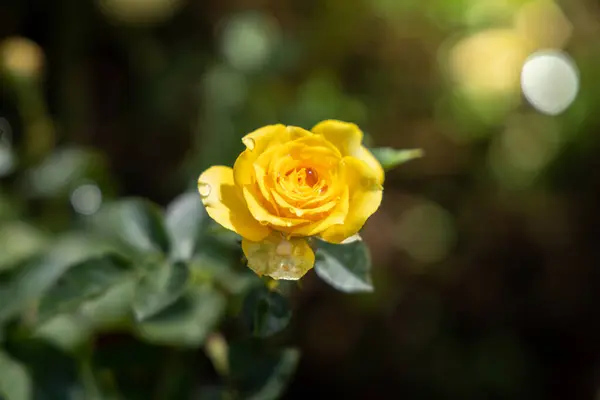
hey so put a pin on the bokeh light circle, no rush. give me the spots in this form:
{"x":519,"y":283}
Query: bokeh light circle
{"x":550,"y":81}
{"x":86,"y":199}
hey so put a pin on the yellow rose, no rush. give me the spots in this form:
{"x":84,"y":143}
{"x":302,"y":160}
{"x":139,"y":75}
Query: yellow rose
{"x":290,"y":184}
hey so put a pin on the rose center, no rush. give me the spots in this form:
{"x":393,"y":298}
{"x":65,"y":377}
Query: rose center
{"x":303,"y":176}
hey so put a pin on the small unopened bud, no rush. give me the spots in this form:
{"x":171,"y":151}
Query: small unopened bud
{"x":218,"y":351}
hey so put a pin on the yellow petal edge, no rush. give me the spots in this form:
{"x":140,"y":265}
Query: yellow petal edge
{"x":224,"y":203}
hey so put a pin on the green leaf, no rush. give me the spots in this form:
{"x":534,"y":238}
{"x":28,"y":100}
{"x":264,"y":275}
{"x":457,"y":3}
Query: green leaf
{"x":390,"y":158}
{"x":15,"y":382}
{"x":187,"y":322}
{"x":19,"y":241}
{"x":88,"y":279}
{"x":160,"y":287}
{"x":136,"y":223}
{"x":110,"y":309}
{"x":346,"y":267}
{"x":54,"y":373}
{"x":186,"y":221}
{"x":221,"y":267}
{"x":259,"y":373}
{"x":65,"y":331}
{"x":39,"y":274}
{"x":266,"y":312}
{"x":61,"y":172}
{"x":93,"y":389}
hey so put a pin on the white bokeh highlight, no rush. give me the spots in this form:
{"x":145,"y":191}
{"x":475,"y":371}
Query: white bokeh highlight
{"x":86,"y":199}
{"x":248,"y":40}
{"x":550,"y":81}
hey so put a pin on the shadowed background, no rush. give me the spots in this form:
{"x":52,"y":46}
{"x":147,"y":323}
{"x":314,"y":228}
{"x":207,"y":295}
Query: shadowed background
{"x":486,"y":262}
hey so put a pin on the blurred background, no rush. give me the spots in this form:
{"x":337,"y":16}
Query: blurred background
{"x":485,"y":251}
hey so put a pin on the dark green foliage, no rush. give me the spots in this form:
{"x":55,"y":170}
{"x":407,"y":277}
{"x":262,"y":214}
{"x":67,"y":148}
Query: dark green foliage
{"x":266,"y":312}
{"x":346,"y":267}
{"x":258,"y":372}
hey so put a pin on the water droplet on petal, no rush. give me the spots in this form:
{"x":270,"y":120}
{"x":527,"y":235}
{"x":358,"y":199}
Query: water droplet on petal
{"x":311,"y":177}
{"x":204,"y":189}
{"x":264,"y":223}
{"x":249,"y":143}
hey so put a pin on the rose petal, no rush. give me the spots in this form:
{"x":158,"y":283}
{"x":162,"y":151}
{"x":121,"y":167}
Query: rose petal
{"x":283,"y":204}
{"x":347,"y":137}
{"x":365,"y":198}
{"x":261,"y":213}
{"x":337,"y":216}
{"x":257,"y":142}
{"x":279,"y":258}
{"x":260,"y":139}
{"x":365,"y":155}
{"x":224,"y":203}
